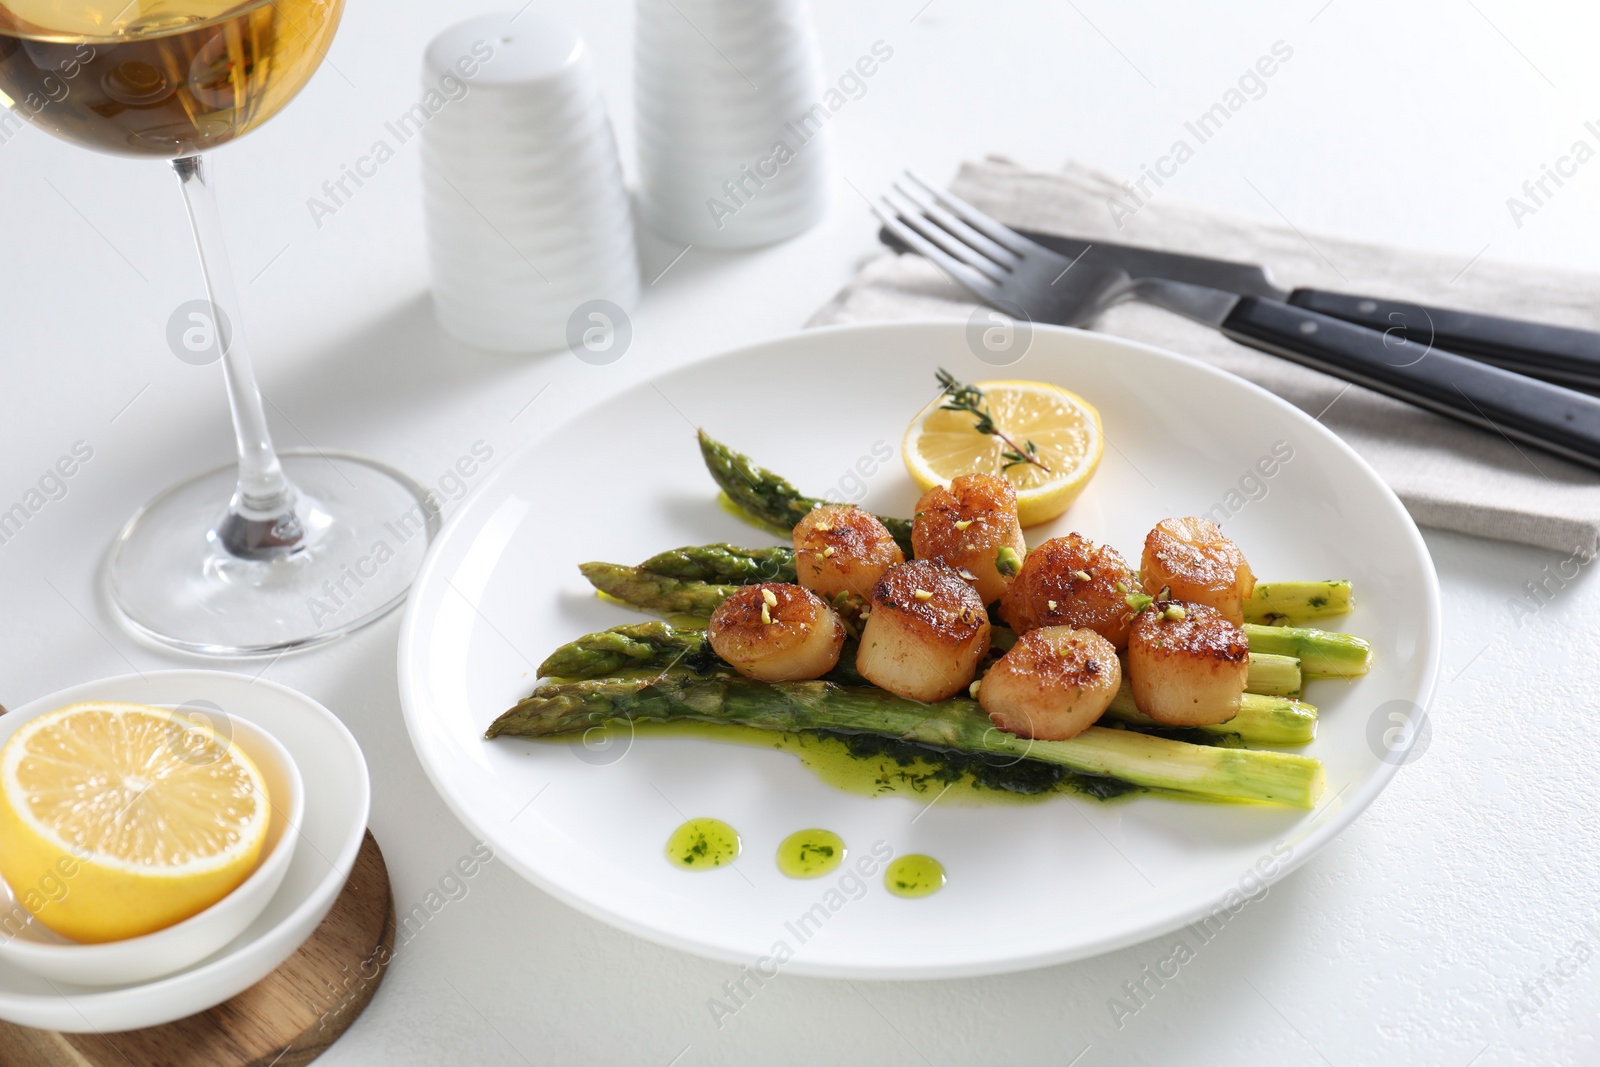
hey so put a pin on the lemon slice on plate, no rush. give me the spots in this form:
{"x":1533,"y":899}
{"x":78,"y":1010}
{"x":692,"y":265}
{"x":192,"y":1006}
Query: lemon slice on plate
{"x":1063,"y":428}
{"x":117,"y":820}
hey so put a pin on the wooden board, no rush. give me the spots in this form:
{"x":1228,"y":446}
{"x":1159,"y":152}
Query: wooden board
{"x":287,"y":1019}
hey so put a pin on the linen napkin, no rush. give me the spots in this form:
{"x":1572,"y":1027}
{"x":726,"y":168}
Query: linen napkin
{"x":1448,"y":475}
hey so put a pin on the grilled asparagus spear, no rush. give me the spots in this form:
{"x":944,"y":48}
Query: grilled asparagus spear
{"x":657,"y":593}
{"x":1263,"y":719}
{"x":725,"y":564}
{"x":656,"y":645}
{"x":771,"y":502}
{"x":729,"y":564}
{"x":768,"y":499}
{"x":1321,"y":654}
{"x":645,"y":645}
{"x":1274,"y":603}
{"x":956,"y":724}
{"x":1273,"y":675}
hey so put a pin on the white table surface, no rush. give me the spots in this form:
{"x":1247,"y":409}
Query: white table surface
{"x":1469,"y":883}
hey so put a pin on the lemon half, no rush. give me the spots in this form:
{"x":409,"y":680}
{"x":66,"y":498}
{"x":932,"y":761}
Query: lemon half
{"x":117,"y":820}
{"x":939,"y":445}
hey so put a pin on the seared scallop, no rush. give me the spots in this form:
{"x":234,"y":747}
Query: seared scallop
{"x":776,"y":632}
{"x":966,"y":525}
{"x":1191,"y":559}
{"x":839,"y":548}
{"x":925,"y":633}
{"x":1187,"y":664}
{"x":1053,"y":684}
{"x":1071,"y":581}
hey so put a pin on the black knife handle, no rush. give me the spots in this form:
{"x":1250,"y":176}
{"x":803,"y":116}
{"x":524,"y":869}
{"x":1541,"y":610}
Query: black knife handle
{"x":1555,"y":353}
{"x":1524,"y":409}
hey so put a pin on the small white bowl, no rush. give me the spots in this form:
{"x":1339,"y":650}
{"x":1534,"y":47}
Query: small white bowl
{"x":138,"y":959}
{"x":338,"y":800}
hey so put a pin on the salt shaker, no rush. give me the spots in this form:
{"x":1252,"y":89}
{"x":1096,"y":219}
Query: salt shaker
{"x":732,"y":133}
{"x":527,"y":217}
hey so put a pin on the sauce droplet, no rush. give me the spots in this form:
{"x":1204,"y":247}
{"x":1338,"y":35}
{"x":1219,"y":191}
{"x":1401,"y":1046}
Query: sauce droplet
{"x":701,"y":844}
{"x":914,"y":875}
{"x":810,"y":853}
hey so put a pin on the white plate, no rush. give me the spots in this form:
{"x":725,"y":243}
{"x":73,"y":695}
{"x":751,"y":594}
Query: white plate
{"x":337,"y":802}
{"x":1028,"y":885}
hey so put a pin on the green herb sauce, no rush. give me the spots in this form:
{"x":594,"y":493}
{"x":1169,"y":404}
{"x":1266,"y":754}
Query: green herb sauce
{"x":870,"y":765}
{"x":703,"y":844}
{"x":914,"y":875}
{"x":810,"y":853}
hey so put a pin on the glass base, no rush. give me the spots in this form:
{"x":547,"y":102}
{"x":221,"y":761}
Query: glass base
{"x":368,"y":525}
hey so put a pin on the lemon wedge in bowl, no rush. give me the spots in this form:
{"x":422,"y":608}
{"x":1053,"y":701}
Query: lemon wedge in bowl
{"x":1056,"y":429}
{"x":146,"y":817}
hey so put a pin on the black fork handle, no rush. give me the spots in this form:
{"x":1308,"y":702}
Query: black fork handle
{"x":1555,"y":353}
{"x":1515,"y":406}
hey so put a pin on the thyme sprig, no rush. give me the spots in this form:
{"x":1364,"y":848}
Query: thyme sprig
{"x":969,"y":398}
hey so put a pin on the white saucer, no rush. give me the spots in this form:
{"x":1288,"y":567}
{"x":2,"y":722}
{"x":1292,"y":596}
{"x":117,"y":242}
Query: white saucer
{"x":136,"y":960}
{"x":337,"y":803}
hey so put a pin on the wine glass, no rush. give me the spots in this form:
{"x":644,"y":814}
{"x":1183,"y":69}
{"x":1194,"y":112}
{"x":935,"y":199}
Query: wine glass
{"x":313,"y":544}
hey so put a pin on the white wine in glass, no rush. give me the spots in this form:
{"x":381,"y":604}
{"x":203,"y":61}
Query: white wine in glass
{"x":278,"y":551}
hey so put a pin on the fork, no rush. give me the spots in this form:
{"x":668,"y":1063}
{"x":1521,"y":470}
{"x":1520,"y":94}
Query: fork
{"x":1027,"y":281}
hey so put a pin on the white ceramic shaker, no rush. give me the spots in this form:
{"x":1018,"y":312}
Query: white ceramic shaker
{"x":528,"y":220}
{"x":732,"y":134}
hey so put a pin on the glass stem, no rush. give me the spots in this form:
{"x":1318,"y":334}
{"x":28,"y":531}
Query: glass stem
{"x":262,"y":520}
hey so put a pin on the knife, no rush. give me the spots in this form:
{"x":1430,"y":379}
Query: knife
{"x":1515,"y":406}
{"x":1554,"y":353}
